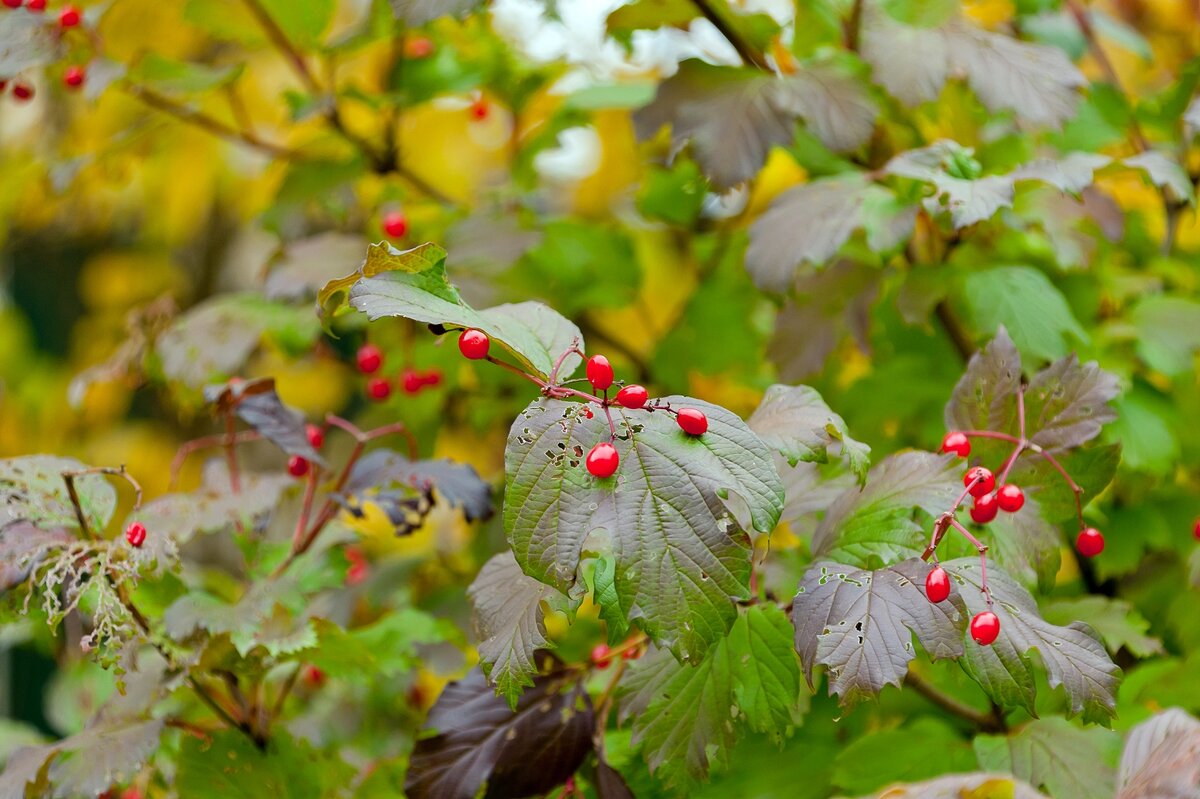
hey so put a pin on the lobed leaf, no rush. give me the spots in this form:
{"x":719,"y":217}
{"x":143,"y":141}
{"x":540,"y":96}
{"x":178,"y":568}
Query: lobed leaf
{"x":1024,"y":300}
{"x":1052,"y":754}
{"x":984,"y":397}
{"x":456,"y":484}
{"x":798,"y":424}
{"x":1067,"y":403}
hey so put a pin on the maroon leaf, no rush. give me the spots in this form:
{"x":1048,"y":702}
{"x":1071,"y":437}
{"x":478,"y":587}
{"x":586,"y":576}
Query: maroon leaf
{"x":984,"y":396}
{"x":457,"y":484}
{"x":1067,"y":402}
{"x":257,"y":404}
{"x":610,"y":784}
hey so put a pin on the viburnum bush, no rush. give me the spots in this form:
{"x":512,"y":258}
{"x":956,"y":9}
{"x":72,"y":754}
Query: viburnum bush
{"x":564,"y":507}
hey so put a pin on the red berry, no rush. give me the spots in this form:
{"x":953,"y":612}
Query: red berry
{"x":979,"y":481}
{"x":474,"y":344}
{"x":957,"y":443}
{"x":73,"y":77}
{"x":378,"y":388}
{"x":3,"y":84}
{"x":599,"y":372}
{"x":1090,"y":542}
{"x":1196,"y":530}
{"x":36,"y":5}
{"x":1011,"y":498}
{"x":395,"y":224}
{"x":985,"y":628}
{"x":633,"y":653}
{"x":369,"y":358}
{"x":313,"y":677}
{"x":603,"y":460}
{"x":22,"y":91}
{"x":937,"y":585}
{"x":135,"y":534}
{"x":634,"y":396}
{"x":693,"y":422}
{"x":297,"y":466}
{"x":432,"y":378}
{"x":418,"y":47}
{"x":985,"y":508}
{"x":479,"y":109}
{"x":69,"y":17}
{"x":411,"y":382}
{"x":600,"y":656}
{"x":13,"y":3}
{"x":130,"y":792}
{"x":316,"y":436}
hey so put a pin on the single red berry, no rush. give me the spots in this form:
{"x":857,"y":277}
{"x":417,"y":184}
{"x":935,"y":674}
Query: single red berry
{"x":3,"y":84}
{"x":603,"y":460}
{"x":69,"y":17}
{"x":634,"y":396}
{"x":474,"y":344}
{"x":22,"y":91}
{"x":316,"y":436}
{"x":588,"y":413}
{"x":36,"y":5}
{"x":418,"y":47}
{"x":633,"y":653}
{"x":985,"y":628}
{"x":297,"y":466}
{"x":937,"y":585}
{"x":692,"y":421}
{"x":379,"y":388}
{"x":432,"y":378}
{"x":985,"y":508}
{"x":480,"y":110}
{"x":1090,"y":542}
{"x":73,"y":77}
{"x":411,"y":382}
{"x":357,"y":573}
{"x":313,"y":676}
{"x":395,"y":224}
{"x":1196,"y":530}
{"x":369,"y":358}
{"x":600,"y":656}
{"x":1010,"y":497}
{"x":131,"y":792}
{"x":599,"y":372}
{"x":135,"y":534}
{"x":957,"y":443}
{"x":979,"y":481}
{"x":13,"y":3}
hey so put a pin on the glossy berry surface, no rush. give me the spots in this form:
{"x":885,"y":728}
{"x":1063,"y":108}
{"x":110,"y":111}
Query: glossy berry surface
{"x":411,"y":381}
{"x":601,"y":656}
{"x":297,"y":466}
{"x":69,"y":17}
{"x":474,"y":344}
{"x":369,"y":359}
{"x":1196,"y":530}
{"x":979,"y":481}
{"x":603,"y":460}
{"x":1011,"y":498}
{"x":957,"y":443}
{"x":379,"y":388}
{"x":985,"y":628}
{"x":36,"y":5}
{"x":73,"y":77}
{"x":12,"y":3}
{"x":692,"y":421}
{"x":135,"y":534}
{"x":633,"y":396}
{"x":395,"y":224}
{"x":22,"y":91}
{"x":1089,"y":542}
{"x":985,"y":509}
{"x":599,"y":372}
{"x":937,"y":585}
{"x":315,"y":435}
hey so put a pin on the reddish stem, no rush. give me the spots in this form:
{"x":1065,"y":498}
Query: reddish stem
{"x":982,"y":549}
{"x":235,"y":483}
{"x":990,"y":434}
{"x":206,"y":442}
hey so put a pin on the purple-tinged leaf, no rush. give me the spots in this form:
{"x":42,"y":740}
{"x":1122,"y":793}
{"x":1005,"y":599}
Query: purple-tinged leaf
{"x":1161,"y":758}
{"x":609,"y":783}
{"x":257,"y":404}
{"x":302,"y":267}
{"x":1054,"y":754}
{"x":23,"y":545}
{"x":457,"y":484}
{"x":796,"y":422}
{"x":1067,"y":402}
{"x":985,"y":396}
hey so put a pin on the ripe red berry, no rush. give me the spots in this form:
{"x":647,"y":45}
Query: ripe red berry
{"x":22,"y":91}
{"x":418,"y":47}
{"x":36,"y":5}
{"x":985,"y":628}
{"x":135,"y":534}
{"x":297,"y":466}
{"x":378,"y":388}
{"x":937,"y":585}
{"x":600,"y":656}
{"x":69,"y":17}
{"x":73,"y":77}
{"x":432,"y":378}
{"x":474,"y":344}
{"x":313,"y":676}
{"x":603,"y":460}
{"x":979,"y":481}
{"x":3,"y":84}
{"x":479,"y":110}
{"x":1090,"y":542}
{"x":131,"y":792}
{"x":692,"y":421}
{"x":316,"y":436}
{"x":369,"y":358}
{"x":395,"y":224}
{"x":599,"y":372}
{"x":985,"y":508}
{"x":957,"y":443}
{"x":13,"y":3}
{"x":1196,"y":530}
{"x":633,"y":653}
{"x":411,"y":382}
{"x":634,"y":396}
{"x":1010,"y":497}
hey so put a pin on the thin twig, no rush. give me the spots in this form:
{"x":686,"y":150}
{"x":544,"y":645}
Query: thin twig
{"x":207,"y":442}
{"x":955,"y":330}
{"x":744,"y":49}
{"x":235,"y":482}
{"x":984,"y":722}
{"x":115,"y":471}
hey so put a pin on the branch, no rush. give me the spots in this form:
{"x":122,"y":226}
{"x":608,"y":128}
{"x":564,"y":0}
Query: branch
{"x":744,"y":49}
{"x":984,"y":722}
{"x":955,"y":330}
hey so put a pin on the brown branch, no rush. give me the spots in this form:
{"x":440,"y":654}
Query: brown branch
{"x":206,"y":442}
{"x":984,"y":722}
{"x":284,"y":45}
{"x":955,"y":330}
{"x":744,"y":49}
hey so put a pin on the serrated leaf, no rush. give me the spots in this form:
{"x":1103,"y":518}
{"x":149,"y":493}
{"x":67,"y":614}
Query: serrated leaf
{"x":675,"y":515}
{"x":509,"y":622}
{"x":1072,"y":655}
{"x":258,"y":404}
{"x":380,"y":650}
{"x":1072,"y":173}
{"x":456,"y":484}
{"x":859,"y":624}
{"x":1118,"y":622}
{"x":1067,"y":402}
{"x":472,"y":737}
{"x":605,"y":594}
{"x":1168,"y":333}
{"x":1053,"y":754}
{"x":1023,"y":300}
{"x":983,"y":398}
{"x":266,"y":615}
{"x":685,"y":714}
{"x":1026,"y":545}
{"x":226,"y":765}
{"x":796,"y":422}
{"x":22,"y":547}
{"x":833,"y":103}
{"x":26,"y":42}
{"x":1161,"y":758}
{"x":86,"y":763}
{"x":1164,"y":172}
{"x":32,"y":489}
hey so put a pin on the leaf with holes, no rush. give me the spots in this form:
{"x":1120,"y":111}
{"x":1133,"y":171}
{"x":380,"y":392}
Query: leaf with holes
{"x":1055,"y":755}
{"x":859,"y":624}
{"x":32,"y":489}
{"x":22,"y":547}
{"x":796,"y":422}
{"x":675,"y":516}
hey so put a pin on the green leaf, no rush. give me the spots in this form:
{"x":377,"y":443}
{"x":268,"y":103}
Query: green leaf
{"x":901,"y":755}
{"x":1168,"y":333}
{"x":302,"y":21}
{"x":1092,"y":469}
{"x":1118,"y":622}
{"x":797,"y":423}
{"x":859,"y":624}
{"x":674,"y":195}
{"x":612,"y":611}
{"x":686,"y":714}
{"x":921,"y":13}
{"x":1024,"y":544}
{"x":32,"y":489}
{"x":581,"y":266}
{"x":226,"y":765}
{"x":1053,"y":754}
{"x":1164,"y":172}
{"x":1145,"y":426}
{"x":181,"y":76}
{"x":1025,"y":302}
{"x":381,"y":650}
{"x":680,"y":547}
{"x":86,"y":763}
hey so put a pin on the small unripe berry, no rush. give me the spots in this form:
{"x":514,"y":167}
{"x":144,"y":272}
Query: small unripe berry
{"x":937,"y":585}
{"x":411,"y":382}
{"x":633,"y":396}
{"x":1089,"y":542}
{"x":985,"y":628}
{"x":73,"y":77}
{"x":474,"y":344}
{"x":395,"y":224}
{"x":22,"y":91}
{"x":600,"y":656}
{"x":316,"y":436}
{"x":379,"y":388}
{"x":135,"y":534}
{"x":69,"y":17}
{"x":985,"y":509}
{"x":957,"y":443}
{"x":1010,"y":497}
{"x":599,"y":372}
{"x":369,"y":359}
{"x":692,"y":421}
{"x":297,"y":466}
{"x":603,"y":460}
{"x":979,"y":481}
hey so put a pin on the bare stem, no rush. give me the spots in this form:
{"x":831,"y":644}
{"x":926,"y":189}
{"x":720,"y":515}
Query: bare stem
{"x":235,"y":482}
{"x":985,"y":722}
{"x":207,"y":442}
{"x":982,"y":549}
{"x":116,"y":471}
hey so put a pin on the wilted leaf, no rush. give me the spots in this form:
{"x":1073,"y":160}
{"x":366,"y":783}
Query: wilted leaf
{"x":859,"y":624}
{"x":1055,"y":755}
{"x":32,"y":489}
{"x":1161,"y":758}
{"x":86,"y":763}
{"x":22,"y":547}
{"x":674,"y":515}
{"x":456,"y":484}
{"x":797,"y":423}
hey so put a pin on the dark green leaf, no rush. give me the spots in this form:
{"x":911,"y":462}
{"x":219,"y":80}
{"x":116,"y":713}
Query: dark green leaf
{"x":901,"y":754}
{"x":1118,"y":623}
{"x":1055,"y":755}
{"x":227,"y":765}
{"x":1024,"y":301}
{"x":1168,"y":333}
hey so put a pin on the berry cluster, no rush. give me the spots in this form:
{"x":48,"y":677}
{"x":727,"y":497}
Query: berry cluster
{"x":603,"y":459}
{"x":603,"y":654}
{"x":68,"y":17}
{"x":410,"y":381}
{"x":298,"y":466}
